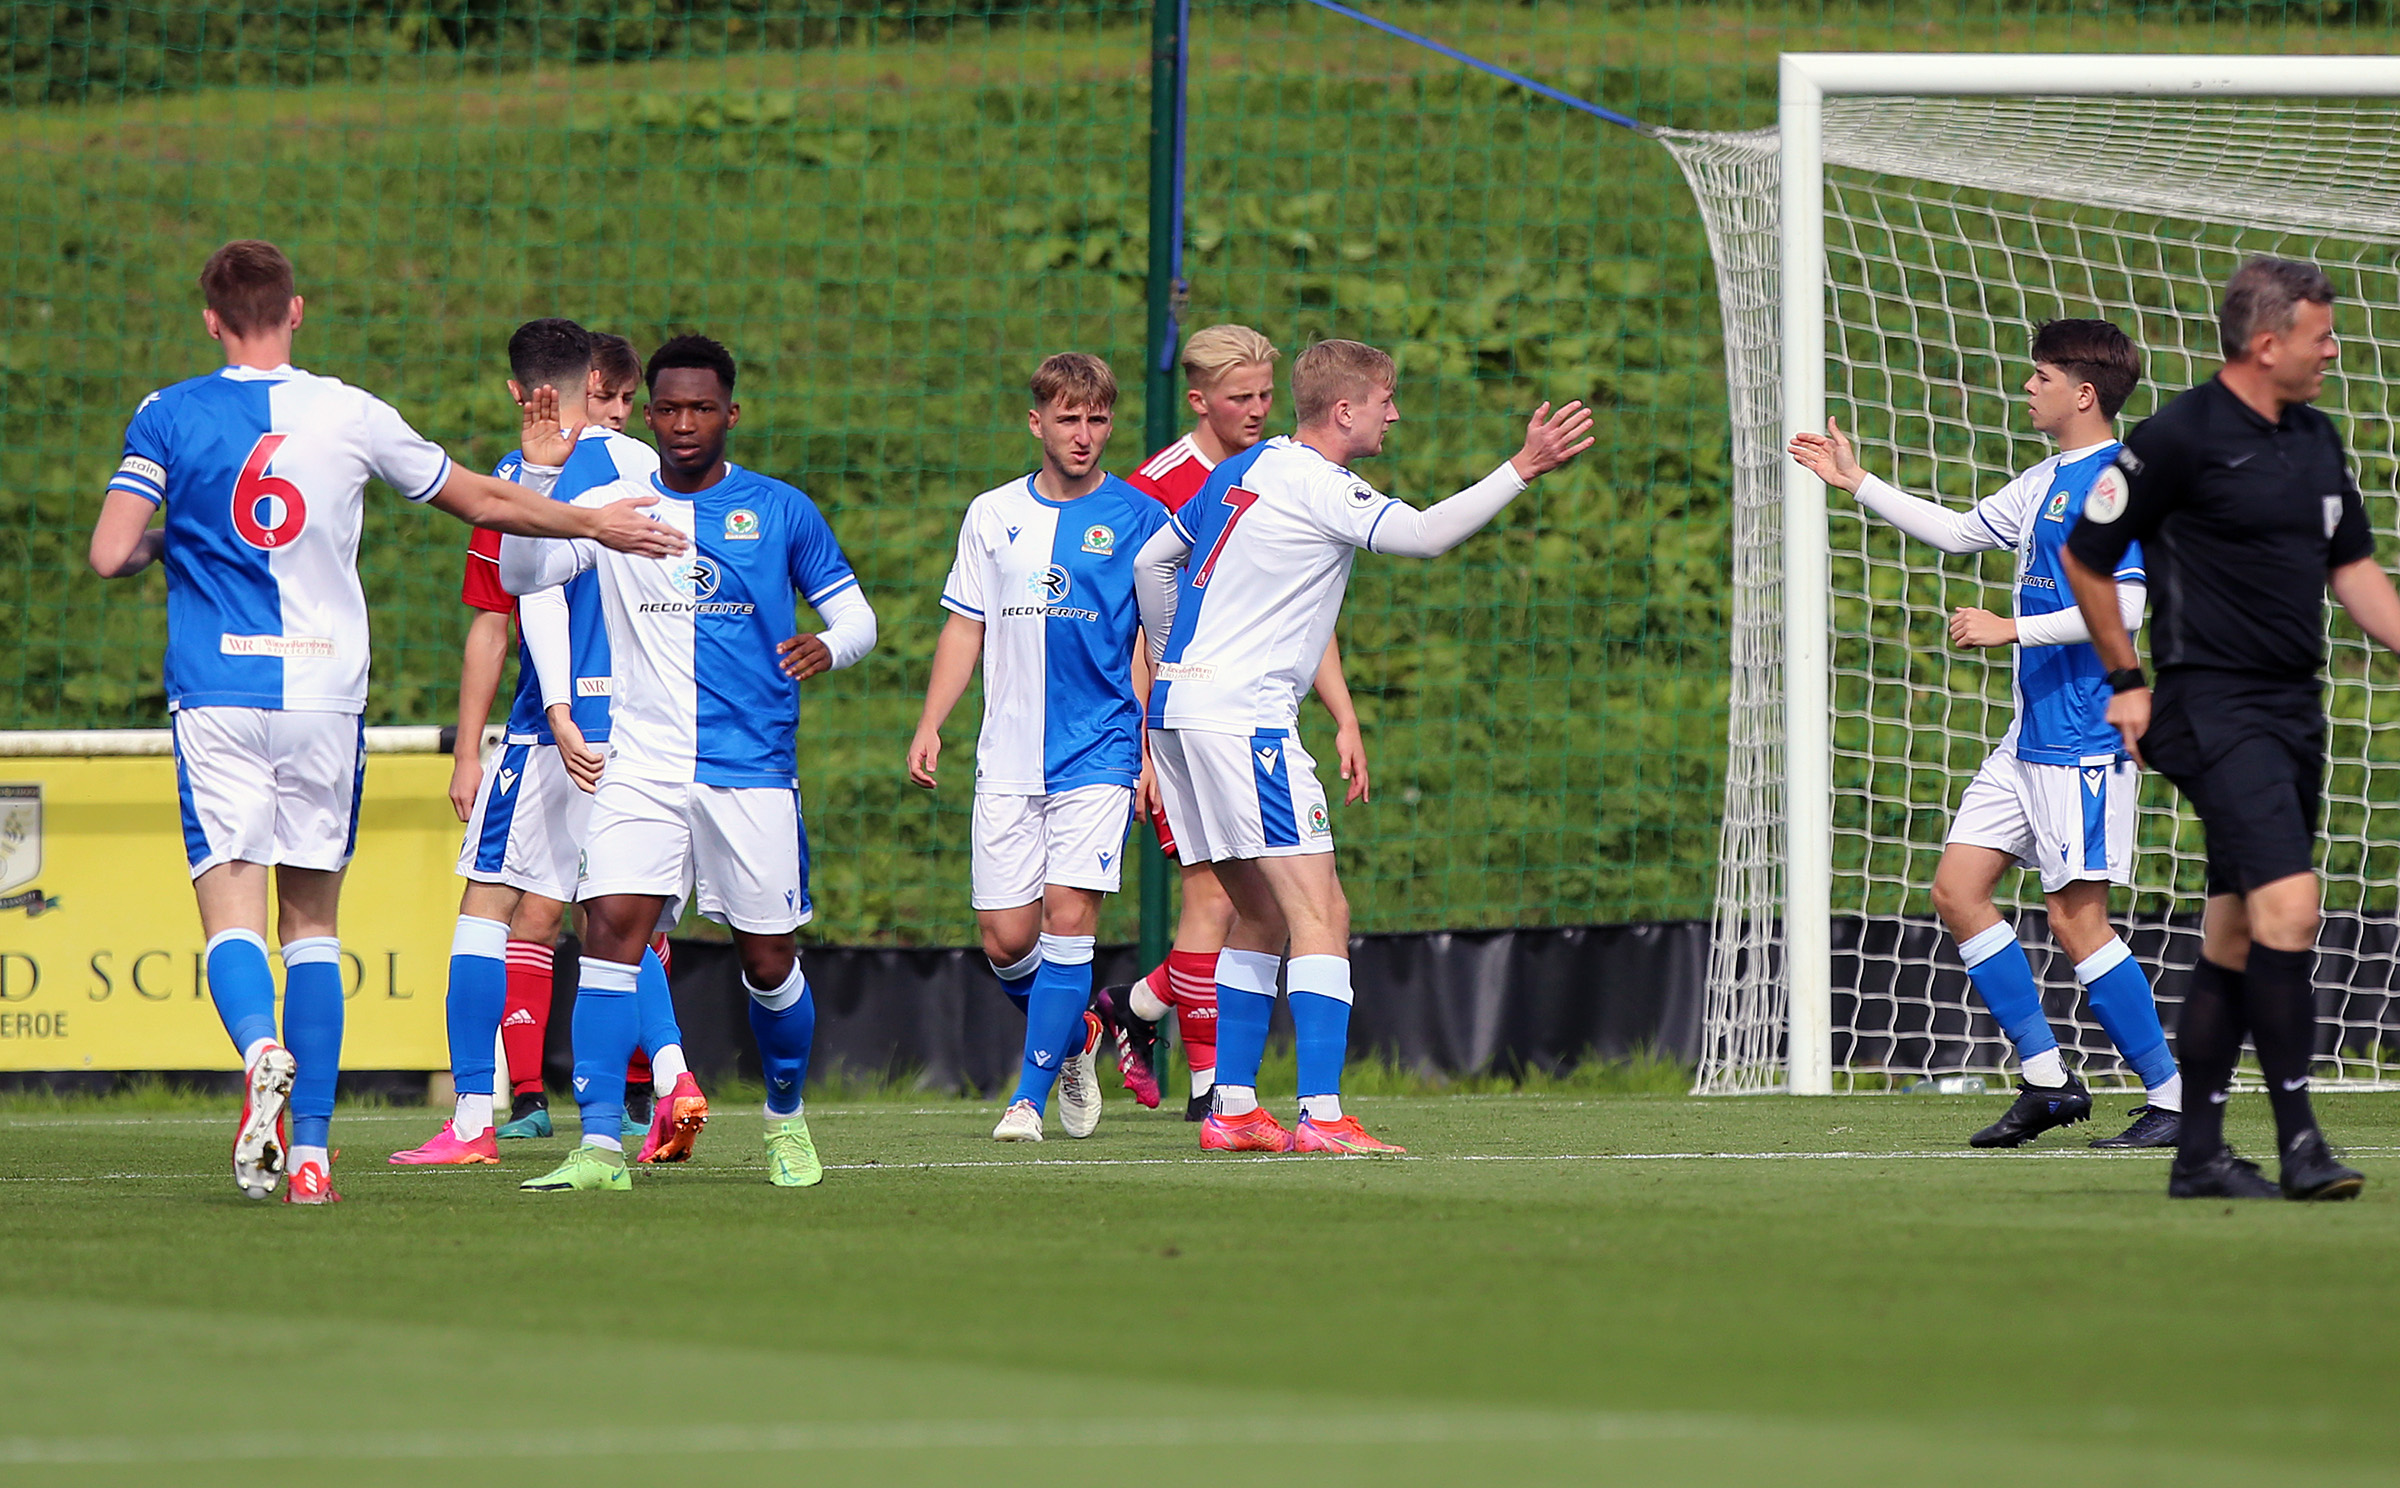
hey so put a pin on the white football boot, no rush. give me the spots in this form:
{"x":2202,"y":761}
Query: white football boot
{"x":1021,"y":1122}
{"x":1079,"y":1083}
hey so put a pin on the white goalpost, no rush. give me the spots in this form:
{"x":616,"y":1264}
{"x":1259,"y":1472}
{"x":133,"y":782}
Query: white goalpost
{"x":1884,"y":254}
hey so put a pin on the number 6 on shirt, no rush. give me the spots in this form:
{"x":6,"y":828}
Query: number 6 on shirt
{"x":268,"y":511}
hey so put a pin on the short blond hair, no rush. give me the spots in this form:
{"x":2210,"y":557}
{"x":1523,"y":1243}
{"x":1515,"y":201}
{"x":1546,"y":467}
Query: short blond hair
{"x":1216,"y":350}
{"x":1330,"y":371}
{"x":1074,"y":379}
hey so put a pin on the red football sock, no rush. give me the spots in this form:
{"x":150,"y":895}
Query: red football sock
{"x":1193,"y":976}
{"x":637,"y":1069}
{"x":527,"y":1020}
{"x":1162,"y":986}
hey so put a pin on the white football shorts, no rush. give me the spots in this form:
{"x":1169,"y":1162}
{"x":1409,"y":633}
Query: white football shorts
{"x":1074,"y":837}
{"x":263,"y":785}
{"x":1231,"y":797}
{"x":742,"y":849}
{"x":528,"y":824}
{"x":2066,"y":822}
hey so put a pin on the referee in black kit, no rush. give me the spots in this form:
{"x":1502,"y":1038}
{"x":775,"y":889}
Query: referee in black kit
{"x":2240,"y":494}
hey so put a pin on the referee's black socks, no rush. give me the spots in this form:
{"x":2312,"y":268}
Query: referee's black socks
{"x":2280,"y":1004}
{"x":2207,"y":1043}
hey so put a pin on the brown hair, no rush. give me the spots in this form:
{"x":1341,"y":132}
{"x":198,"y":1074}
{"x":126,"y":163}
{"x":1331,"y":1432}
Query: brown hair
{"x":249,"y":284}
{"x":1330,"y":371}
{"x":2264,"y":295}
{"x":2092,"y":351}
{"x":1074,"y":379}
{"x":1216,"y":350}
{"x":618,"y":364}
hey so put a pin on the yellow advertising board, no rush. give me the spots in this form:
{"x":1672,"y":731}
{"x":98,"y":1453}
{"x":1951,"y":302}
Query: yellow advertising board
{"x":101,"y":964}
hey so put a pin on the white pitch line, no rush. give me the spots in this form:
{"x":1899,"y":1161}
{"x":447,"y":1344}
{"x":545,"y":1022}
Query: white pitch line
{"x":1256,"y":1161}
{"x":1230,"y":1429}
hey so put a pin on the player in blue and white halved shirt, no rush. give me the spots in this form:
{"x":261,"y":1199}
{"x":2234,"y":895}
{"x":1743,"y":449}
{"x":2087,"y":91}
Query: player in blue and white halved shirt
{"x":701,"y":790}
{"x":262,"y":469}
{"x":2058,"y":793}
{"x":1042,"y":590}
{"x":525,"y":831}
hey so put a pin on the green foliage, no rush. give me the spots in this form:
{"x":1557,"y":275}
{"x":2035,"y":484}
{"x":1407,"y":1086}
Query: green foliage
{"x":891,"y":212}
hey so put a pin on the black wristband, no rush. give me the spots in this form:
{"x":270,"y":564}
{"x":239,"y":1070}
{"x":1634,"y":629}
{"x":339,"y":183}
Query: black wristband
{"x":2126,"y":679}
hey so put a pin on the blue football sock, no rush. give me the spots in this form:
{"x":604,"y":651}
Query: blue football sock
{"x":477,"y":1000}
{"x":606,"y":1026}
{"x":1245,"y":1005}
{"x":784,"y":1022}
{"x":241,"y":986}
{"x":1997,"y":966}
{"x":312,"y":1030}
{"x":1062,"y":989}
{"x":2122,"y":1003}
{"x":656,"y":1005}
{"x":1016,"y":978}
{"x":1320,"y":1021}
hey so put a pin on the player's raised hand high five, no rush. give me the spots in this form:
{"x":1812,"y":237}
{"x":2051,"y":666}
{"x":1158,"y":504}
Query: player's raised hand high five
{"x":1829,"y":458}
{"x":545,"y":438}
{"x":1552,"y":439}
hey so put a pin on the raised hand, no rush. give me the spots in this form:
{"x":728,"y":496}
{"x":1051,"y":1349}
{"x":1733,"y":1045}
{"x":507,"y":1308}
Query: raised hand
{"x":623,"y":525}
{"x":803,"y":656}
{"x":541,"y":435}
{"x":1552,"y":439}
{"x":1829,"y":458}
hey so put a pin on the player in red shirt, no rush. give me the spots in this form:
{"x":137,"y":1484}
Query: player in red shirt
{"x":1229,"y":377}
{"x":534,"y":927}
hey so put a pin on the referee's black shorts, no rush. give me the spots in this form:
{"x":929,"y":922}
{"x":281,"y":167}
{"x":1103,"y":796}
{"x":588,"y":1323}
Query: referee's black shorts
{"x":2249,"y":754}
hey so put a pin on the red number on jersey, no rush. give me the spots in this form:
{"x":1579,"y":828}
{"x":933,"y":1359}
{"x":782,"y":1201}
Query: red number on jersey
{"x":1240,"y":501}
{"x":268,"y":511}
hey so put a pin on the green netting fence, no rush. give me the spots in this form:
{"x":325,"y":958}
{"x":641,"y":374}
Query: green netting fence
{"x":891,"y":211}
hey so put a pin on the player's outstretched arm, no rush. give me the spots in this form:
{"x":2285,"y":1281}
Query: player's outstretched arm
{"x":1551,"y":440}
{"x":123,"y":541}
{"x":1829,"y":458}
{"x":1349,"y":745}
{"x":954,"y":658}
{"x":504,"y":506}
{"x":849,"y":634}
{"x":2364,"y":590}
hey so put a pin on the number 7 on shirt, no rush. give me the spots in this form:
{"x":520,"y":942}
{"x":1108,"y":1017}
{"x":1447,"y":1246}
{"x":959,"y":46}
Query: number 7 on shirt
{"x":1239,"y":501}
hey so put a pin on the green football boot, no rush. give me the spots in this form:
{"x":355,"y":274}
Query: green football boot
{"x":586,"y":1170}
{"x":792,"y":1160}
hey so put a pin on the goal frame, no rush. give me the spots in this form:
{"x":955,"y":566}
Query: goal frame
{"x":1807,"y":80}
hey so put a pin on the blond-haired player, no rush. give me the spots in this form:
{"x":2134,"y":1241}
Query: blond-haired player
{"x":1229,"y":383}
{"x":1239,"y":595}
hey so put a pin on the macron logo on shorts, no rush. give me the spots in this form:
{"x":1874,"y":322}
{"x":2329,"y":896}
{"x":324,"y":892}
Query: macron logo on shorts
{"x":508,"y":781}
{"x":1266,"y":759}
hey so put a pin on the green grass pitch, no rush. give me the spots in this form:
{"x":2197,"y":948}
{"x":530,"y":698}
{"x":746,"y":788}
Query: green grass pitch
{"x":1613,"y":1289}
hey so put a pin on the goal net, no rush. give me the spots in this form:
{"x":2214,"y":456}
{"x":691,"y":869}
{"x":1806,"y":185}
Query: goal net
{"x":1951,"y":227}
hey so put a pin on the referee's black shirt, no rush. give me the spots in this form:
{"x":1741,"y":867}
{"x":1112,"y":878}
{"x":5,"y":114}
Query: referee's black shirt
{"x":2240,"y":520}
